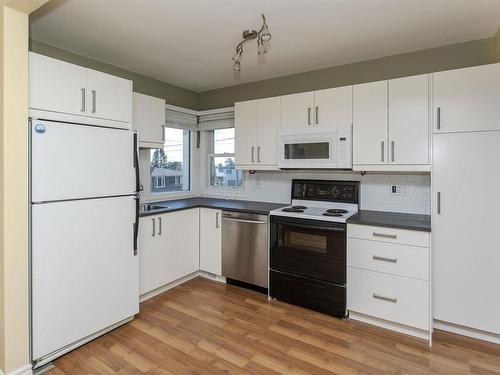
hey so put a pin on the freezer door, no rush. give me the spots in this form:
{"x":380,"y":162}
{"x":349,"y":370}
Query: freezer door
{"x":77,"y":161}
{"x":84,"y":273}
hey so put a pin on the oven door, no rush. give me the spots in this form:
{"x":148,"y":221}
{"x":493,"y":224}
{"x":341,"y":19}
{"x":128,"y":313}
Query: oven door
{"x":310,"y":248}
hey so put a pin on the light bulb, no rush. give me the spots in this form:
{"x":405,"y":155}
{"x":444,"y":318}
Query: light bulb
{"x":237,"y":66}
{"x":261,"y":50}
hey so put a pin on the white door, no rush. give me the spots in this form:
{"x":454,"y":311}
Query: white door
{"x":268,"y":126}
{"x":297,"y":110}
{"x":85,"y":274}
{"x":182,"y":243}
{"x":370,"y":123}
{"x":149,"y":119}
{"x":210,"y":241}
{"x":77,"y":161}
{"x":56,"y":86}
{"x":245,"y":124}
{"x":409,"y":120}
{"x":465,"y":231}
{"x":153,"y":255}
{"x":467,"y":99}
{"x":109,"y":97}
{"x":333,"y":107}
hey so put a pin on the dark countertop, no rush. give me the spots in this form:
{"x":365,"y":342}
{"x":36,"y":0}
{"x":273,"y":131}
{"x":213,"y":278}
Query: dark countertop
{"x":392,"y":220}
{"x":262,"y":208}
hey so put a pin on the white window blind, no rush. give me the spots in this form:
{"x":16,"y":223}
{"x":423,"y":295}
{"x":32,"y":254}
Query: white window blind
{"x":180,"y":118}
{"x":217,"y":119}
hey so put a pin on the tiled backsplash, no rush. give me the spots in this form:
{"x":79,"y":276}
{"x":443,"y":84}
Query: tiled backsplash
{"x":375,"y":189}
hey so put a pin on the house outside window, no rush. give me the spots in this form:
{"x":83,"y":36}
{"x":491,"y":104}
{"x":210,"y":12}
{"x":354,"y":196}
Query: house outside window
{"x":170,"y":166}
{"x":222,"y":167}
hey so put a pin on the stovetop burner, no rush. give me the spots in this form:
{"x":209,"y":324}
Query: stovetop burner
{"x":292,"y":209}
{"x":299,"y":207}
{"x":336,"y":214}
{"x":336,"y":211}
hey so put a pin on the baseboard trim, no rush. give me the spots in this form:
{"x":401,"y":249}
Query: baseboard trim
{"x":25,"y":370}
{"x":168,"y":286}
{"x":213,"y":277}
{"x":467,"y":331}
{"x":415,"y":332}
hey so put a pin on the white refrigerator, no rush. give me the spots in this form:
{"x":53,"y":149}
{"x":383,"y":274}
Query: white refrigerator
{"x":84,"y":221}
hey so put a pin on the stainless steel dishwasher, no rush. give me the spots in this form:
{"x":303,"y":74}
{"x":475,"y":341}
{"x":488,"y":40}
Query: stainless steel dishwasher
{"x":244,"y":248}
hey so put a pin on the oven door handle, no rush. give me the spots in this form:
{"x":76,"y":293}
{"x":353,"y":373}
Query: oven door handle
{"x":329,"y":229}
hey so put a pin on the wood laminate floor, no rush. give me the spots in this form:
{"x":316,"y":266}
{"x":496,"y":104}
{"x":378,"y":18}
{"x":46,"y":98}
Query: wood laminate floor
{"x":203,"y":327}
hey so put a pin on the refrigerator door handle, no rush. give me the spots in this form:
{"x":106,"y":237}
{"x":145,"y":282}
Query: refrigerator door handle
{"x":136,"y":225}
{"x":138,"y":185}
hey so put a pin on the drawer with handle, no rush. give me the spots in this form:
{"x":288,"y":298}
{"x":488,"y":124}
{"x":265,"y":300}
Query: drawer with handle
{"x":397,"y":259}
{"x":402,"y":236}
{"x":389,"y":297}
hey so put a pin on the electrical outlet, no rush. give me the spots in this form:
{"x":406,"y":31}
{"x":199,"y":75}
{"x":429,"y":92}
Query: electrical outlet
{"x":399,"y":190}
{"x":257,"y":180}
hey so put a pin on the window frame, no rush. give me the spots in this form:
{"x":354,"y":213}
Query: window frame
{"x":210,"y":155}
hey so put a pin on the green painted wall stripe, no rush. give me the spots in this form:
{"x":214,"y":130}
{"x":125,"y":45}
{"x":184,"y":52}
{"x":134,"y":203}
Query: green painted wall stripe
{"x":477,"y":52}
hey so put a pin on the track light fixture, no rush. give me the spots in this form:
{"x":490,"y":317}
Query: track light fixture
{"x":263,"y":37}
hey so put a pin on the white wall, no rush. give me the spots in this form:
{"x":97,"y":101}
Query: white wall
{"x":375,"y":189}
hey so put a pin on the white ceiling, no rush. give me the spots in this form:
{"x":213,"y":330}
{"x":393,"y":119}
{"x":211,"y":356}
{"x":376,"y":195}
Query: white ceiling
{"x":190,"y":43}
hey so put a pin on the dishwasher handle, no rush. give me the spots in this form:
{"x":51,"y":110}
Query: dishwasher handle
{"x":228,"y":218}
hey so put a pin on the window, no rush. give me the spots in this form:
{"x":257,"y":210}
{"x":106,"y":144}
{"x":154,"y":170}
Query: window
{"x":169,"y":166}
{"x":222,"y":167}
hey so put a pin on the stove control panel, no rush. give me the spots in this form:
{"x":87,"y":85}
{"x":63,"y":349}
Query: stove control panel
{"x":326,"y":190}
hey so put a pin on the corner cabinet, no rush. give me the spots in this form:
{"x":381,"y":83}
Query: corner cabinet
{"x":391,"y":129}
{"x":149,"y":120}
{"x":167,"y":252}
{"x":211,"y":241}
{"x":257,"y":123}
{"x":74,"y":93}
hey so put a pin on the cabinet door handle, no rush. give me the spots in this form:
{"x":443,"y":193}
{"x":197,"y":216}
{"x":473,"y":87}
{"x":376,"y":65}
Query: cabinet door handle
{"x":217,"y":225}
{"x":439,"y":203}
{"x":83,"y":99}
{"x":317,"y":115}
{"x":384,"y":259}
{"x":258,"y":154}
{"x":389,"y":299}
{"x":163,"y":132}
{"x":392,"y":150}
{"x":253,"y":160}
{"x":376,"y":234}
{"x":382,"y":144}
{"x":93,"y":101}
{"x":154,"y":227}
{"x":159,"y":226}
{"x":438,"y":118}
{"x":309,"y":116}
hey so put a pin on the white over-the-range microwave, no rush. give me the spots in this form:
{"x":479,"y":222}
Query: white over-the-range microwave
{"x":316,"y":148}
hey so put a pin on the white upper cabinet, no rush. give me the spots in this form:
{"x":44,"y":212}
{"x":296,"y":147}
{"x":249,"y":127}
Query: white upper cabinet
{"x":297,"y":110}
{"x":268,"y":126}
{"x":56,"y":85}
{"x":109,"y":97}
{"x":74,"y":93}
{"x":333,"y":107}
{"x":257,"y":123}
{"x":149,"y":120}
{"x":245,"y":126}
{"x":211,"y":241}
{"x":370,"y":124}
{"x":467,"y":99}
{"x":409,"y":120}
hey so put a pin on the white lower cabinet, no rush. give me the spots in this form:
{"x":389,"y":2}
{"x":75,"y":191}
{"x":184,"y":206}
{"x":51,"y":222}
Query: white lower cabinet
{"x":168,"y":248}
{"x":388,"y":281}
{"x":210,"y":241}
